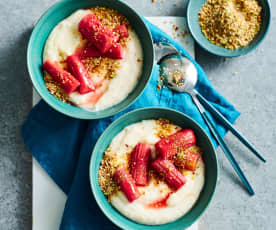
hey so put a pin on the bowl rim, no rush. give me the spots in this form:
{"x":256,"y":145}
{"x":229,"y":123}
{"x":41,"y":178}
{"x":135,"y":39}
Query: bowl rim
{"x":51,"y":102}
{"x":229,"y":55}
{"x":110,"y":127}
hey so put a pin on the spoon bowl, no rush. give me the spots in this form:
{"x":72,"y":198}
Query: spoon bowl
{"x":179,"y":73}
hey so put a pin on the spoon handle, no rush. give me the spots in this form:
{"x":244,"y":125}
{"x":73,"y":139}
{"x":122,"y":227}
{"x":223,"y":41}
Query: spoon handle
{"x":223,"y":146}
{"x":228,"y":125}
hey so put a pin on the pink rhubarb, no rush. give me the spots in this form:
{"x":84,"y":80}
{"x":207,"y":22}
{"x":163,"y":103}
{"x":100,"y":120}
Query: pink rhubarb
{"x":127,"y":184}
{"x":172,"y":176}
{"x":177,"y":142}
{"x":122,"y":31}
{"x":97,"y":33}
{"x":139,"y":163}
{"x":61,"y":76}
{"x":78,"y":69}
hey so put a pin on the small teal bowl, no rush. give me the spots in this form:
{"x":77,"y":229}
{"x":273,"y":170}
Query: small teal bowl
{"x":41,"y":32}
{"x":193,"y":9}
{"x":179,"y":119}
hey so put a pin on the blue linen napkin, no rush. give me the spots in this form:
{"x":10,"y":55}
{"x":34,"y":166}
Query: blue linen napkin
{"x":63,"y":145}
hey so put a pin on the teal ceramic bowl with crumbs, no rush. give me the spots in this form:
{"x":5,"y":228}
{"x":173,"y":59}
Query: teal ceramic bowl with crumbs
{"x":193,"y":9}
{"x":43,"y":28}
{"x":209,"y":156}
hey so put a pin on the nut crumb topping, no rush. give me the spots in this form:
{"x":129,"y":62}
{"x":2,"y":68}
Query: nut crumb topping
{"x":102,"y":66}
{"x":164,"y":128}
{"x":230,"y":23}
{"x":109,"y":17}
{"x":108,"y":166}
{"x":55,"y":89}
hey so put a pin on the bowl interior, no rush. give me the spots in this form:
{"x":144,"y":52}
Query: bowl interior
{"x":41,"y":32}
{"x":179,"y":119}
{"x":193,"y":9}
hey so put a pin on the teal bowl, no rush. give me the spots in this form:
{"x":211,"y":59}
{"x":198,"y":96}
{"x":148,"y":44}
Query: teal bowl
{"x":41,"y":32}
{"x":179,"y":119}
{"x":193,"y":9}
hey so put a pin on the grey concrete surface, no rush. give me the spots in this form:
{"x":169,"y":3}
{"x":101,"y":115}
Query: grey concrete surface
{"x":248,"y":82}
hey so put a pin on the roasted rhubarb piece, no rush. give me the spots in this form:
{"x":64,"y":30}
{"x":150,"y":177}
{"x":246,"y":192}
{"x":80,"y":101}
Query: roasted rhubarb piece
{"x":172,"y":176}
{"x":186,"y":159}
{"x":78,"y":69}
{"x":122,"y":31}
{"x":94,"y":31}
{"x":191,"y":160}
{"x":89,"y":51}
{"x":116,"y":51}
{"x":177,"y":142}
{"x":61,"y":76}
{"x":127,"y":184}
{"x":139,"y":163}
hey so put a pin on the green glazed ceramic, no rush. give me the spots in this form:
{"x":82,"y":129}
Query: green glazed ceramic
{"x":41,"y":32}
{"x":183,"y":121}
{"x":193,"y":9}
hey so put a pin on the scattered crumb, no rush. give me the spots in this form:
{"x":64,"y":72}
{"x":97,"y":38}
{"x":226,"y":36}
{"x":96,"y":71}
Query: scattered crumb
{"x":159,"y":87}
{"x":218,"y":101}
{"x":185,"y":33}
{"x":235,"y":73}
{"x":175,"y":28}
{"x":176,"y":4}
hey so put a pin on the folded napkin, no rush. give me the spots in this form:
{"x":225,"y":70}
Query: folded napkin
{"x":63,"y":145}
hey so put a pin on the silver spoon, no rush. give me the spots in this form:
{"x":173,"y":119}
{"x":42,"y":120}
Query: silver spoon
{"x":180,"y":75}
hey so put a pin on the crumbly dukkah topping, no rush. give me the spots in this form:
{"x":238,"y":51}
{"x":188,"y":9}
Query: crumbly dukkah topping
{"x":164,"y":128}
{"x":181,"y":156}
{"x":230,"y":23}
{"x":111,"y":18}
{"x":102,"y":66}
{"x":108,"y":166}
{"x":177,"y":75}
{"x":55,"y":89}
